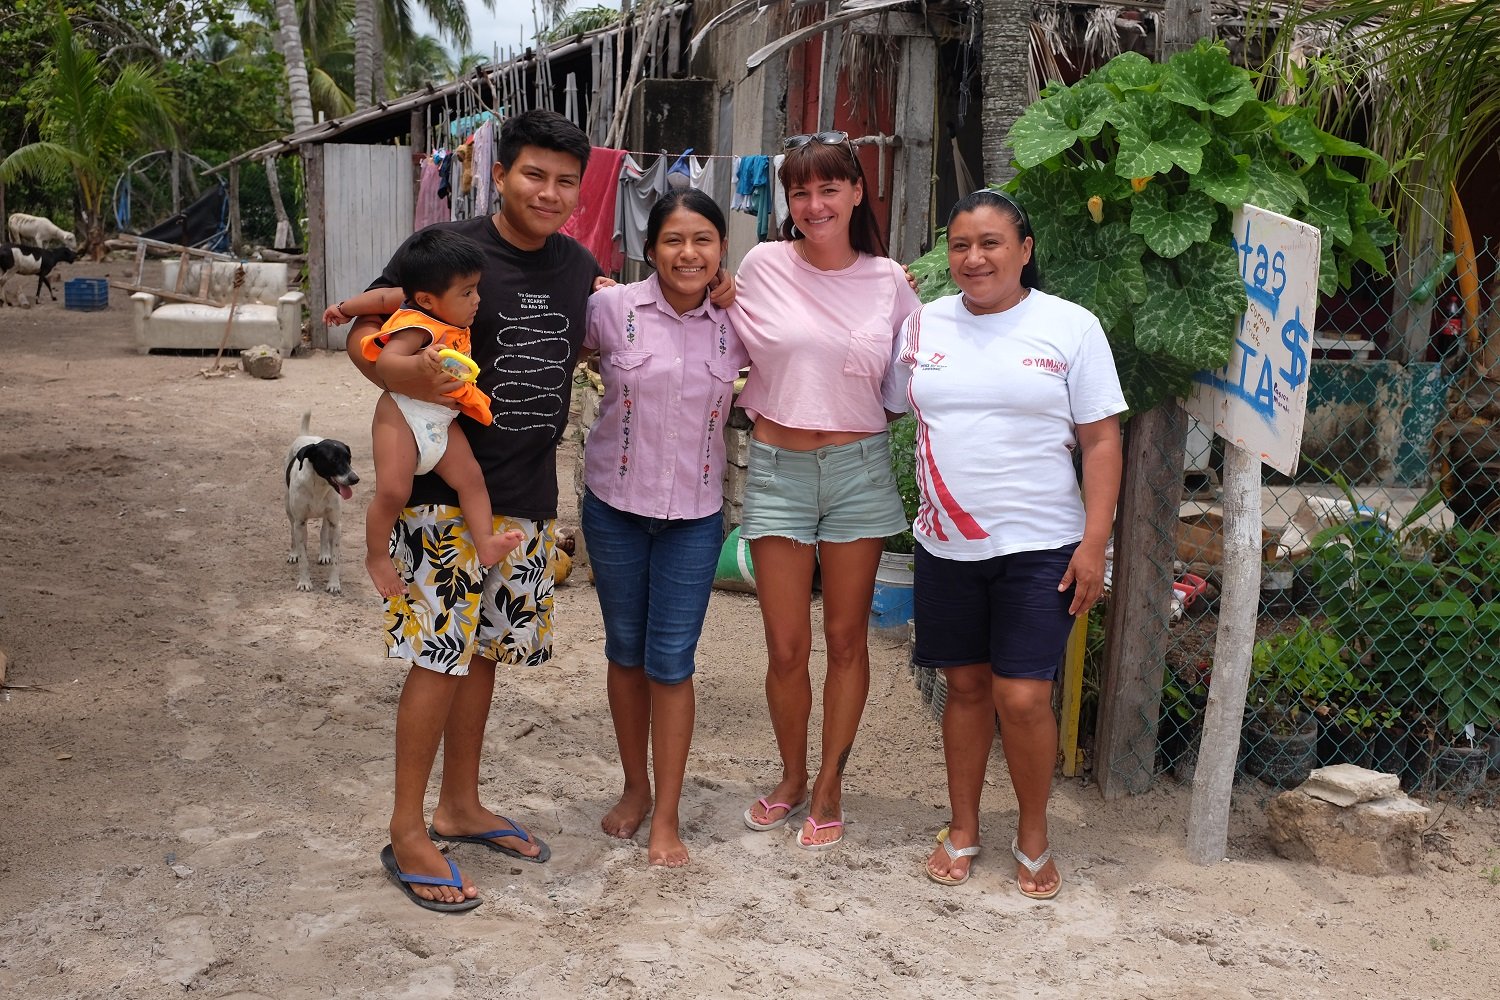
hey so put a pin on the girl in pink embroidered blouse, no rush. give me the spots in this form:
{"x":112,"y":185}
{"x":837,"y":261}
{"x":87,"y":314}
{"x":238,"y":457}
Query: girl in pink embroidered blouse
{"x":653,"y":476}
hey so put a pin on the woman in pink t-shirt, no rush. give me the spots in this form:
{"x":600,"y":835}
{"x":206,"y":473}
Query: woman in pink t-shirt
{"x":819,"y":312}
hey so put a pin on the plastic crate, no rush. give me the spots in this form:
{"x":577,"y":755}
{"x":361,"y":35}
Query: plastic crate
{"x":87,"y":294}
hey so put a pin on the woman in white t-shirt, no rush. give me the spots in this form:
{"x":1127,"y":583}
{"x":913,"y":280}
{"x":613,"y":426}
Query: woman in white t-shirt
{"x":819,"y":312}
{"x":1006,"y":382}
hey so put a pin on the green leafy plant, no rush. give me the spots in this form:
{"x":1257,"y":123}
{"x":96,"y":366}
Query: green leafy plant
{"x":1131,"y":177}
{"x":1419,"y":610}
{"x":1296,"y":674}
{"x":903,"y":464}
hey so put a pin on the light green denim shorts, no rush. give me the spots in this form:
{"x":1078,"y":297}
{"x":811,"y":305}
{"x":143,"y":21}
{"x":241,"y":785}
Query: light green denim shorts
{"x":837,"y":494}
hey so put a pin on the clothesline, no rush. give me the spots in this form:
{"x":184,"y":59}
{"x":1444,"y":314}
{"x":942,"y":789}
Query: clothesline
{"x":894,"y":141}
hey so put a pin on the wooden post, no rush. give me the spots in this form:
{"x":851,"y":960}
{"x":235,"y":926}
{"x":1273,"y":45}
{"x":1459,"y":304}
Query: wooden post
{"x":317,"y":294}
{"x":1213,"y":780}
{"x":176,"y":180}
{"x":418,"y":151}
{"x":1072,"y":695}
{"x":828,"y":73}
{"x":912,"y":183}
{"x":1136,"y":635}
{"x":236,"y":242}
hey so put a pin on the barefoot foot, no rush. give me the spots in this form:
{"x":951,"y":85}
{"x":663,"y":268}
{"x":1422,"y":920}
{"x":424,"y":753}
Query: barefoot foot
{"x":493,"y":549}
{"x":627,"y":815}
{"x":387,"y":581}
{"x":666,"y":848}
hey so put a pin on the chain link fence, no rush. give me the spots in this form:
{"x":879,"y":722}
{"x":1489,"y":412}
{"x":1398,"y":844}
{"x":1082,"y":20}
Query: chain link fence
{"x":1378,"y":629}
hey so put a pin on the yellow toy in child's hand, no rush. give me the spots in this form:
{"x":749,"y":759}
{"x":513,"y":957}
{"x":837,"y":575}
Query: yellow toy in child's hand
{"x":458,"y":365}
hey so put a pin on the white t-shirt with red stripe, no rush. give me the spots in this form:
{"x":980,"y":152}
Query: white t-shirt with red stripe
{"x":997,"y":399}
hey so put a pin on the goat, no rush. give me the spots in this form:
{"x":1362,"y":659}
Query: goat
{"x":31,"y":260}
{"x":37,"y":231}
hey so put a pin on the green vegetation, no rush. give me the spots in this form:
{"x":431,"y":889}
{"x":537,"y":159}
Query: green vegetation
{"x":1131,"y":177}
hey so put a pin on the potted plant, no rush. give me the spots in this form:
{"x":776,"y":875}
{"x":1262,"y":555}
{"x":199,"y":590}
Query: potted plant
{"x":1419,"y":609}
{"x":1289,"y":675}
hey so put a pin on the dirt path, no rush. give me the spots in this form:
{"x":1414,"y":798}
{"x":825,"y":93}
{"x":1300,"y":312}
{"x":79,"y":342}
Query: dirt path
{"x":179,"y":703}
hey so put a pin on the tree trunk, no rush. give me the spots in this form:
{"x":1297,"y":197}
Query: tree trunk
{"x":1137,"y":627}
{"x":283,"y":237}
{"x":1004,"y":62}
{"x":364,"y":52}
{"x":296,"y":65}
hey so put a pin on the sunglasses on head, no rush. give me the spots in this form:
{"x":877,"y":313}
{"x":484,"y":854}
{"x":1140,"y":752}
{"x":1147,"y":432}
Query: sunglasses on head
{"x":823,"y":138}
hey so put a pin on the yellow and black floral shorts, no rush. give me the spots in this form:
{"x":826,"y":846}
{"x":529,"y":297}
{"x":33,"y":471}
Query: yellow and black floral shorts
{"x":456,"y":608}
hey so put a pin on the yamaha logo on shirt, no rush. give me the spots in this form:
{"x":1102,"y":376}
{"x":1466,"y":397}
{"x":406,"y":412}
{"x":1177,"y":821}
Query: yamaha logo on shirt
{"x":1048,"y":364}
{"x":935,"y":362}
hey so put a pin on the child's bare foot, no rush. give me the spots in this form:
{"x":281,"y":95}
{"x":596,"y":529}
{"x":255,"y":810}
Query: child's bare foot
{"x":383,"y":574}
{"x":626,"y":817}
{"x":665,"y":847}
{"x":493,"y":548}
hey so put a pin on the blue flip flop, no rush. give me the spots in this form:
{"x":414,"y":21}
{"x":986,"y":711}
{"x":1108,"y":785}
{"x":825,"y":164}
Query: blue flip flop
{"x":487,"y":840}
{"x":405,"y":881}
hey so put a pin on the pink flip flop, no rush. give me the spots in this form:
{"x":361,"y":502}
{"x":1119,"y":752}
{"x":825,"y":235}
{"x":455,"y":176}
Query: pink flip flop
{"x":775,"y":824}
{"x":808,"y":845}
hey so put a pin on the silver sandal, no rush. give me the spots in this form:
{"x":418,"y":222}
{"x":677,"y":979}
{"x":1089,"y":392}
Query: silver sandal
{"x":1034,"y":866}
{"x":954,"y":853}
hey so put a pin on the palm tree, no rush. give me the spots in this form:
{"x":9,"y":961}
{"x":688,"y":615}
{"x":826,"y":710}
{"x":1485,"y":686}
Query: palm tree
{"x":388,"y":25}
{"x":296,"y":65}
{"x":366,"y":44}
{"x":88,"y":125}
{"x":1005,"y":67}
{"x":1423,"y":76}
{"x":424,"y":61}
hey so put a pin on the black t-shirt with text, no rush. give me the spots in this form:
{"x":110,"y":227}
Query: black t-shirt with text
{"x":525,"y":340}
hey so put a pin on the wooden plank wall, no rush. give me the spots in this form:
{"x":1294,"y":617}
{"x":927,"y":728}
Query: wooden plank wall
{"x":368,"y":211}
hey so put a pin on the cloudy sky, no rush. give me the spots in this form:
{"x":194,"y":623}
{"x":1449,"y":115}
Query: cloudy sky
{"x":508,"y":25}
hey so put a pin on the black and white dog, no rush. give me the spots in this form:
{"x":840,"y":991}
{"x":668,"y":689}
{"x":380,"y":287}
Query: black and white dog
{"x":318,"y":477}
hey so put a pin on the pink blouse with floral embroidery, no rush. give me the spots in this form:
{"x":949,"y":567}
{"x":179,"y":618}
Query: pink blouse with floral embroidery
{"x":657,"y":448}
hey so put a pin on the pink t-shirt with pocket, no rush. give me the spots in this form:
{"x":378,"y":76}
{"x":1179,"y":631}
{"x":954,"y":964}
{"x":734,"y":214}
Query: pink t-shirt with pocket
{"x":821,"y":343}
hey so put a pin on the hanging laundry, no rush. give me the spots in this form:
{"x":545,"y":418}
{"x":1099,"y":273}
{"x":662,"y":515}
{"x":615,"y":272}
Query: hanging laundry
{"x":680,"y":174}
{"x":593,"y":221}
{"x":702,"y":172}
{"x":430,"y":207}
{"x":445,"y":173}
{"x":484,"y":161}
{"x":778,"y":190}
{"x":750,"y":175}
{"x":639,"y":189}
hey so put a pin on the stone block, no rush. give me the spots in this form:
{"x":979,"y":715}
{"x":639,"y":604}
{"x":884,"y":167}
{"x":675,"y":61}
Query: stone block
{"x":1348,"y":784}
{"x":737,"y":446}
{"x":734,"y":484}
{"x":262,"y":361}
{"x":1378,"y":837}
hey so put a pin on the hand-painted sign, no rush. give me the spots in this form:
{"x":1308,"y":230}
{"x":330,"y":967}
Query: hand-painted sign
{"x":1257,"y":401}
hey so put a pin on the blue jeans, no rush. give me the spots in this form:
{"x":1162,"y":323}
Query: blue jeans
{"x":653,"y":577}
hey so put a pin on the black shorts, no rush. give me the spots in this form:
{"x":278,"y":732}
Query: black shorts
{"x":1005,"y":611}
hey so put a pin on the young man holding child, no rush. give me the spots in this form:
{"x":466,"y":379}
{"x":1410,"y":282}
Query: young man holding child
{"x":458,"y":620}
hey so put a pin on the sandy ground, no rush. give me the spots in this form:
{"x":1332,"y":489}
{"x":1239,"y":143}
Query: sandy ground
{"x":176,"y":702}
